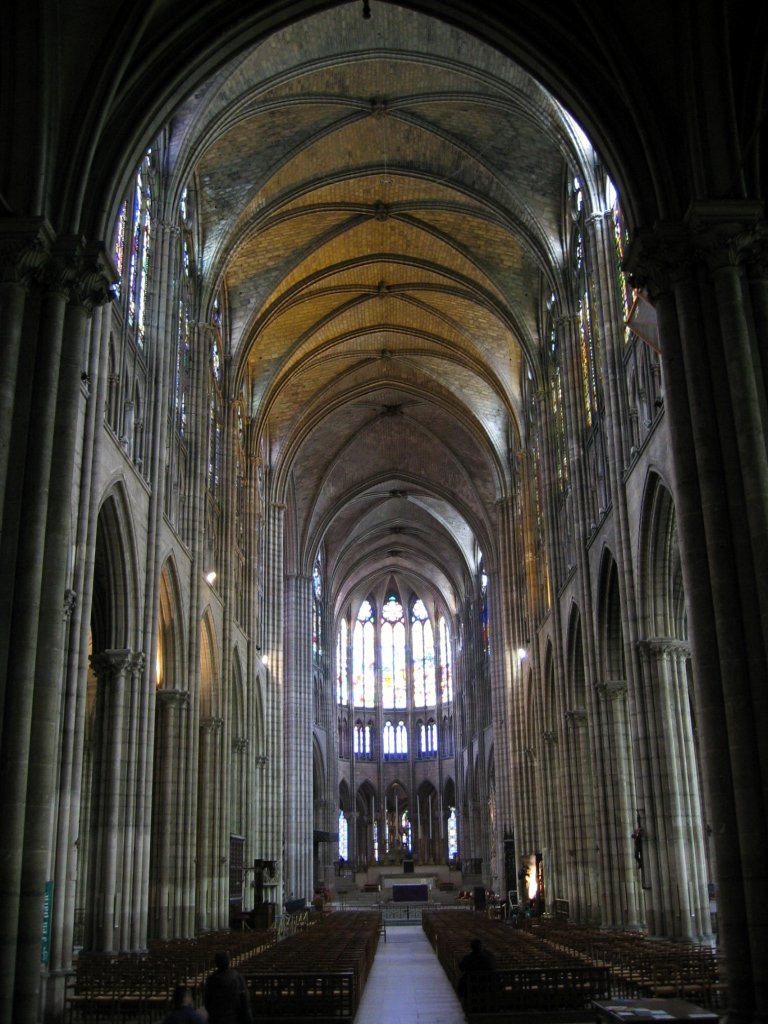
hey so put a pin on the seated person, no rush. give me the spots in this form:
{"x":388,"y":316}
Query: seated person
{"x":477,"y":960}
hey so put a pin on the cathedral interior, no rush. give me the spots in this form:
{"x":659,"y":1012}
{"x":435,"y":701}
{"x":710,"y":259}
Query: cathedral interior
{"x":383,"y":467}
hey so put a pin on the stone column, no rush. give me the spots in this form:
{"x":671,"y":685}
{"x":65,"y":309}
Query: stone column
{"x":272,"y":811}
{"x":579,"y":839}
{"x":298,"y":738}
{"x":36,"y":550}
{"x":621,"y":888}
{"x":701,"y":274}
{"x":673,"y":861}
{"x":210,"y":768}
{"x":24,"y":250}
{"x":169,"y":826}
{"x":111,"y":752}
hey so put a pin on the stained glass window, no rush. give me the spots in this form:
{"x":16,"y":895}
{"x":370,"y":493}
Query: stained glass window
{"x":423,"y":648}
{"x":453,"y":835}
{"x":216,"y":359}
{"x":214,"y":445}
{"x":343,"y":836}
{"x":427,"y":738}
{"x":183,"y":364}
{"x":388,"y":739}
{"x":342,"y":674}
{"x":620,"y":236}
{"x":119,"y":248}
{"x":363,"y":739}
{"x":588,"y":342}
{"x":484,"y":623}
{"x":395,"y":739}
{"x":557,"y":405}
{"x":363,"y":657}
{"x":401,"y":738}
{"x":317,"y":606}
{"x":393,"y":671}
{"x":138,"y":270}
{"x":446,"y":670}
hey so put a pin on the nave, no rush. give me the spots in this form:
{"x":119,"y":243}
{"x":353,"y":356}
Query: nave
{"x":407,"y":985}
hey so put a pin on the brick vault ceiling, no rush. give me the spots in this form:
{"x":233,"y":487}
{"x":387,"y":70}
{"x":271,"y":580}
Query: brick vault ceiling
{"x":383,"y":199}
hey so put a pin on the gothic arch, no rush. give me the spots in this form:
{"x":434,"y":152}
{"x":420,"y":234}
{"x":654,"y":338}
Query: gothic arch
{"x":210,"y":695}
{"x":661,"y":577}
{"x":576,"y":667}
{"x":609,"y":620}
{"x":171,"y":646}
{"x":115,"y":608}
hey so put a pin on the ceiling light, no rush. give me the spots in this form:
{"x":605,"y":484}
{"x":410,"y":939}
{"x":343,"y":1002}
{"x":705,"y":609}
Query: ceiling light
{"x":210,"y":576}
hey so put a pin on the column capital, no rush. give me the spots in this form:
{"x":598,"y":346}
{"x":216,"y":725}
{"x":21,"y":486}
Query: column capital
{"x":240,"y":744}
{"x":25,"y":248}
{"x":718,"y":233}
{"x":549,"y":736}
{"x":82,"y":270}
{"x":663,"y":646}
{"x":727,"y":233}
{"x":575,"y":718}
{"x":567,"y":319}
{"x":612,"y":689}
{"x":172,"y":698}
{"x":211,"y":725}
{"x":110,"y":663}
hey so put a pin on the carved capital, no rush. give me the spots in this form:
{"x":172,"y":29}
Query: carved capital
{"x":110,"y":664}
{"x":657,"y":258}
{"x":211,"y":725}
{"x":663,"y":646}
{"x":173,"y":699}
{"x":82,"y":270}
{"x":70,"y":603}
{"x":576,"y":718}
{"x":612,"y":689}
{"x":727,"y":233}
{"x":25,"y":247}
{"x":240,"y":744}
{"x":549,"y":736}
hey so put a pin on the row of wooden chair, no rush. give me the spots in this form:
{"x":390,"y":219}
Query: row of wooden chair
{"x":136,"y":987}
{"x":642,"y":966}
{"x":529,"y":978}
{"x":317,"y":975}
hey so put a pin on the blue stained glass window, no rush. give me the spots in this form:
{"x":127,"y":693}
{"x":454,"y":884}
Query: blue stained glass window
{"x":343,"y":836}
{"x":119,"y":249}
{"x":317,"y":606}
{"x":140,"y":249}
{"x":453,"y":835}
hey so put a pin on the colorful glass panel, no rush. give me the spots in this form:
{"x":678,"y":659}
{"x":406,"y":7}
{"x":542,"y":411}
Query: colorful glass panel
{"x":342,"y":675}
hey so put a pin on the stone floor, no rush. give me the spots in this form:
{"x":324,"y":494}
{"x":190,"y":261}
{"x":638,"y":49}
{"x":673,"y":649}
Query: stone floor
{"x":407,"y":985}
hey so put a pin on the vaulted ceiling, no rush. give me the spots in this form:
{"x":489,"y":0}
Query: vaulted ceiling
{"x":383,"y":199}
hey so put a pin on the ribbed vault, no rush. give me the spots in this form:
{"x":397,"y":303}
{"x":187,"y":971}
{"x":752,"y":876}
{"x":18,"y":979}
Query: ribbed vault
{"x":384,"y":200}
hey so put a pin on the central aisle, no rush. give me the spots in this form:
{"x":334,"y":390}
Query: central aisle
{"x":407,"y":985}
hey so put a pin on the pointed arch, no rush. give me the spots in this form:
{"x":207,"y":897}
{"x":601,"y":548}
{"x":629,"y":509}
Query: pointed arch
{"x":661,"y":577}
{"x":171,"y":646}
{"x":610,"y":630}
{"x":210,"y":697}
{"x":115,"y":618}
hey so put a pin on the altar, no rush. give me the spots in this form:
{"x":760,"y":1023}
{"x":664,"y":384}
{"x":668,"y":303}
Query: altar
{"x":390,"y":881}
